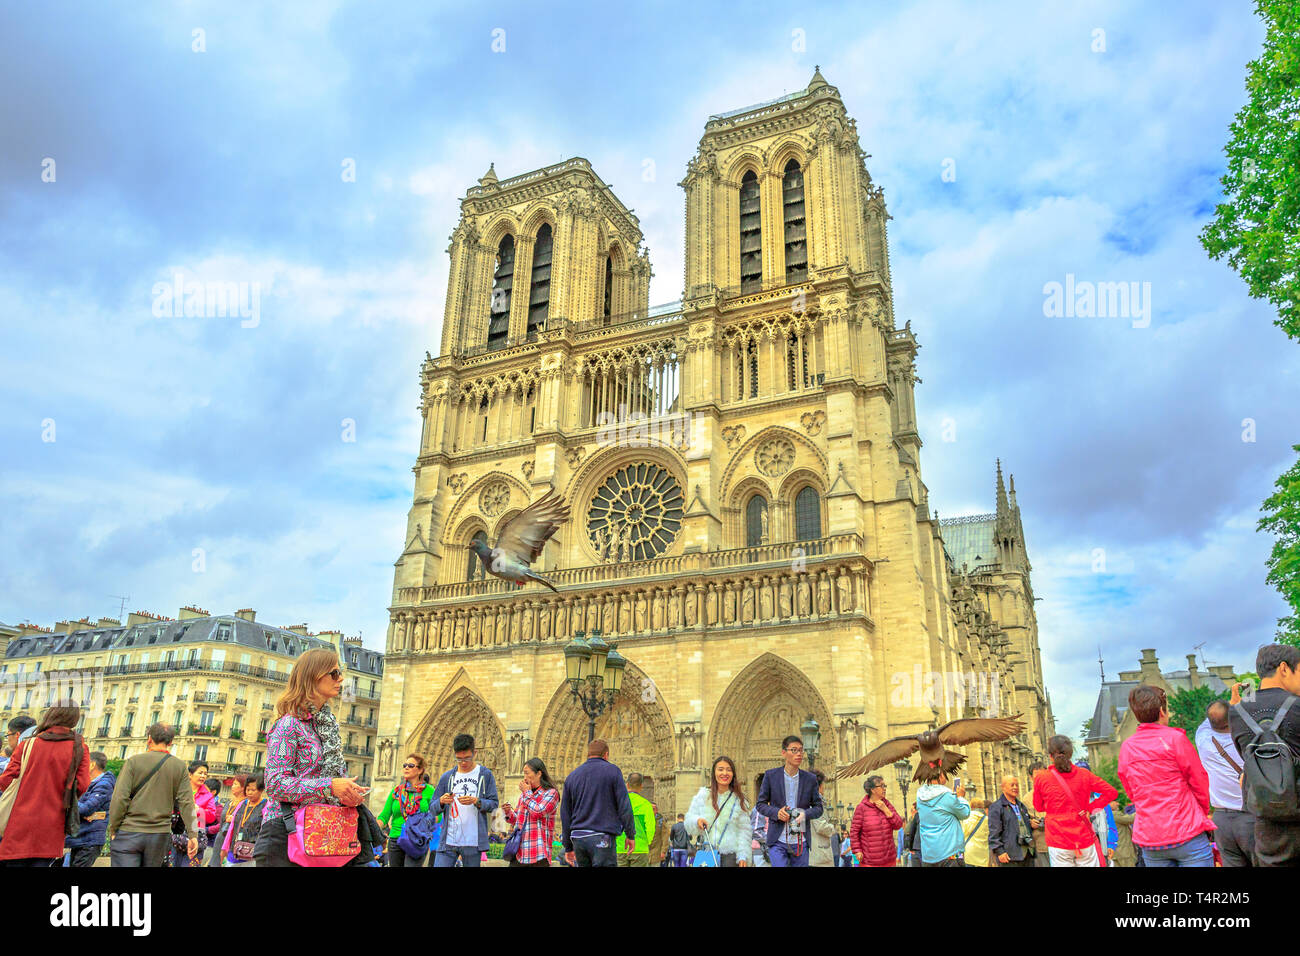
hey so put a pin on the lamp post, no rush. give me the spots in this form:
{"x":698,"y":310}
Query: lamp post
{"x":594,"y":670}
{"x":812,"y":736}
{"x":903,"y":771}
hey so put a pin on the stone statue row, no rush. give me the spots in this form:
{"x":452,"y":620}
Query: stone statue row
{"x":751,"y":599}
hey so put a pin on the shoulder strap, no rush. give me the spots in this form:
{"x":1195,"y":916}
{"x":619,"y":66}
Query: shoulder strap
{"x":1281,"y":713}
{"x":1224,"y":754}
{"x":976,"y":830}
{"x":1244,"y":714}
{"x":1069,"y":794}
{"x":69,"y":789}
{"x":147,"y":777}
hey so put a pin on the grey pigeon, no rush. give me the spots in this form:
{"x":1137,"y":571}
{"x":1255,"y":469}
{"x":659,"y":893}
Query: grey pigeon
{"x":522,"y":540}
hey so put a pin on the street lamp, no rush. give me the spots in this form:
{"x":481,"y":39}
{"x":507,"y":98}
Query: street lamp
{"x":594,"y":670}
{"x":903,"y":770}
{"x":811,"y":734}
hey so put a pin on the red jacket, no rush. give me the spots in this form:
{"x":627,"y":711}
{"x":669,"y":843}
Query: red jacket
{"x":1066,"y":830}
{"x":35,"y":827}
{"x":871,"y":835}
{"x":1163,"y":776}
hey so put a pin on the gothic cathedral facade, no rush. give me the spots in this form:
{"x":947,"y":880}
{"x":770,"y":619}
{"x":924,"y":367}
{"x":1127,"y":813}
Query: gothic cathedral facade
{"x":747,"y":519}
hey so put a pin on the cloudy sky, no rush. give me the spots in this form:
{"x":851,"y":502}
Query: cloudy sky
{"x":1082,"y":142}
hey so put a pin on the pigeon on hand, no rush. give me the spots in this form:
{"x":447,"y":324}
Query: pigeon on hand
{"x":522,"y":540}
{"x":967,"y":730}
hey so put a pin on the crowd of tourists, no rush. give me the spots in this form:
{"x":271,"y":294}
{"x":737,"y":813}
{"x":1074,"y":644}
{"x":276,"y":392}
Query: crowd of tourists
{"x":1227,"y":798}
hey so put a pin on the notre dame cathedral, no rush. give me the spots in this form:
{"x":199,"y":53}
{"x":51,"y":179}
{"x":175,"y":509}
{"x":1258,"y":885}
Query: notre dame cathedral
{"x":748,"y":520}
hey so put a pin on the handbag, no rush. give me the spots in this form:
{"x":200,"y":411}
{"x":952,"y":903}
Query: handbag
{"x":71,"y":812}
{"x":321,"y":834}
{"x":10,"y":796}
{"x":241,"y":851}
{"x":1101,"y":856}
{"x":709,"y":855}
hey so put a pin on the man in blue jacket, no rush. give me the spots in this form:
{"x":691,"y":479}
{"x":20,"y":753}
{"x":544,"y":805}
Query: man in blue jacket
{"x":93,"y":808}
{"x":594,"y":810}
{"x":788,"y":796}
{"x":466,"y":796}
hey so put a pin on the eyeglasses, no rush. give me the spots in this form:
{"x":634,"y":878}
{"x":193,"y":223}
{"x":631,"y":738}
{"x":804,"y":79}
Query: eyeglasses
{"x":794,"y":751}
{"x":335,"y":673}
{"x":408,"y":766}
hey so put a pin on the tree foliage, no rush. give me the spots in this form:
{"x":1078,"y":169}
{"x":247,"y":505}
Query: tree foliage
{"x":1108,"y":770}
{"x":1187,"y":708}
{"x":1258,"y":227}
{"x":1282,"y":519}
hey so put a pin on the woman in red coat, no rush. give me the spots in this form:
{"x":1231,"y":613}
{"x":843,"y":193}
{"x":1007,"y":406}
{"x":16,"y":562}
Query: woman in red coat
{"x":874,"y":823}
{"x":1063,"y":793}
{"x":35,"y":831}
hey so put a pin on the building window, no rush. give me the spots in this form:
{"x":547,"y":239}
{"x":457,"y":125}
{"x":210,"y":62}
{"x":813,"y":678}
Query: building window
{"x":201,"y":752}
{"x":121,"y":754}
{"x":539,"y":289}
{"x":807,"y":514}
{"x":609,"y":286}
{"x":796,"y":229}
{"x":636,"y":514}
{"x":205,"y":719}
{"x":180,"y":717}
{"x":751,"y":235}
{"x":230,"y":756}
{"x":155,"y":717}
{"x":503,"y":278}
{"x":474,"y":570}
{"x":756,"y":522}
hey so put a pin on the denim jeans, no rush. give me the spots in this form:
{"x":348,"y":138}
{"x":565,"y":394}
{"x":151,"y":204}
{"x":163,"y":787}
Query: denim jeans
{"x":468,"y":856}
{"x":1193,"y":852}
{"x":84,"y":855}
{"x":783,"y":855}
{"x":595,"y":850}
{"x":678,"y":856}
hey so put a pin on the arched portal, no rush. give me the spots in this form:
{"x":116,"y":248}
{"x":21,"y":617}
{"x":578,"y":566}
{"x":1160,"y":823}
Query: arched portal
{"x":765,"y":703}
{"x":458,"y":711}
{"x":637,"y":727}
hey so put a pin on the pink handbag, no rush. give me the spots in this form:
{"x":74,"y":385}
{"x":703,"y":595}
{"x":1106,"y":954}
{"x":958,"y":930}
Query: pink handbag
{"x":322,"y":835}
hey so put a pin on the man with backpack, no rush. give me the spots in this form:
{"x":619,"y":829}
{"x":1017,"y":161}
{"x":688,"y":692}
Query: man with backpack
{"x":150,"y":787}
{"x":1266,"y":731}
{"x":1222,"y":761}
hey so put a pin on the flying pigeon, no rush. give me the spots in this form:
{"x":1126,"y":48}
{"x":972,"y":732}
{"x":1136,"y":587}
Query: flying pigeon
{"x":522,"y":540}
{"x":968,"y":730}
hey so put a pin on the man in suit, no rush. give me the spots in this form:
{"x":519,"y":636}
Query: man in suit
{"x":788,"y":797}
{"x":1011,"y":827}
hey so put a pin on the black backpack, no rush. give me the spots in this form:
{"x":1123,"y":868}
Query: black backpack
{"x":1269,"y":766}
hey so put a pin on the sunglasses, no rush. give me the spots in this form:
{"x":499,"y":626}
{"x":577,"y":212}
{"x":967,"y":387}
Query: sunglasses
{"x":408,"y":766}
{"x":335,"y":673}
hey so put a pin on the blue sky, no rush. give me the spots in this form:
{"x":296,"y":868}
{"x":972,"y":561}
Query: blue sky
{"x":176,"y":433}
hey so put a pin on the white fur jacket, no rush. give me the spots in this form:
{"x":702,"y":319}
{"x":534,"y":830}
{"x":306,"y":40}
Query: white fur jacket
{"x":729,"y":837}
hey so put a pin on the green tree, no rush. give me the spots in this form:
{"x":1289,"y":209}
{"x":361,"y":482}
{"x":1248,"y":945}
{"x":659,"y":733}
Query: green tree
{"x":1187,"y":708}
{"x":1086,"y":730}
{"x":1258,"y":228}
{"x":1282,"y":519}
{"x":1108,"y":770}
{"x":114,"y":767}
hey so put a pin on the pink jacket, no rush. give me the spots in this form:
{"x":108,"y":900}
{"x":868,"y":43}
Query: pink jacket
{"x":1163,"y":776}
{"x":205,"y":803}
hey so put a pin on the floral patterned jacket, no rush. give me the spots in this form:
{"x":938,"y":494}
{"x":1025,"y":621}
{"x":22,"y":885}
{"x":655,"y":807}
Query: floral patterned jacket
{"x":303,"y":756}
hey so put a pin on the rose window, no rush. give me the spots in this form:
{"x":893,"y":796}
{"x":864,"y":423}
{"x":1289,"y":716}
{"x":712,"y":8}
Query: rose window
{"x":636,"y":514}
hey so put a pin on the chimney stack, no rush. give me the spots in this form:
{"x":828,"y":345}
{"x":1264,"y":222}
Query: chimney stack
{"x":246,"y":614}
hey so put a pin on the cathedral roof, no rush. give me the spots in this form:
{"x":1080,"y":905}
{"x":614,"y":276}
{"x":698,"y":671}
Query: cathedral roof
{"x":969,"y":540}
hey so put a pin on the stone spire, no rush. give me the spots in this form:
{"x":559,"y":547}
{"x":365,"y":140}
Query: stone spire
{"x":490,"y":177}
{"x":1014,"y":506}
{"x":1002,"y":492}
{"x":817,"y":81}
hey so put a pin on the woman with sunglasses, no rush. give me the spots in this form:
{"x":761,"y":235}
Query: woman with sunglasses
{"x":408,"y":797}
{"x":304,"y":757}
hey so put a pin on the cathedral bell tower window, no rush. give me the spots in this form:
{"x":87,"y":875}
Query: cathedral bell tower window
{"x":796,"y":228}
{"x":502,"y":280}
{"x":539,"y":290}
{"x":751,"y":235}
{"x":609,"y":285}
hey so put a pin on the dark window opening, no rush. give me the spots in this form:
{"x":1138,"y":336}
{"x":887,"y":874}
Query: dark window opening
{"x":755,"y":513}
{"x":751,"y":236}
{"x":807,"y":515}
{"x":609,"y":285}
{"x":502,"y":282}
{"x":474,"y":570}
{"x":796,"y":227}
{"x":539,"y":290}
